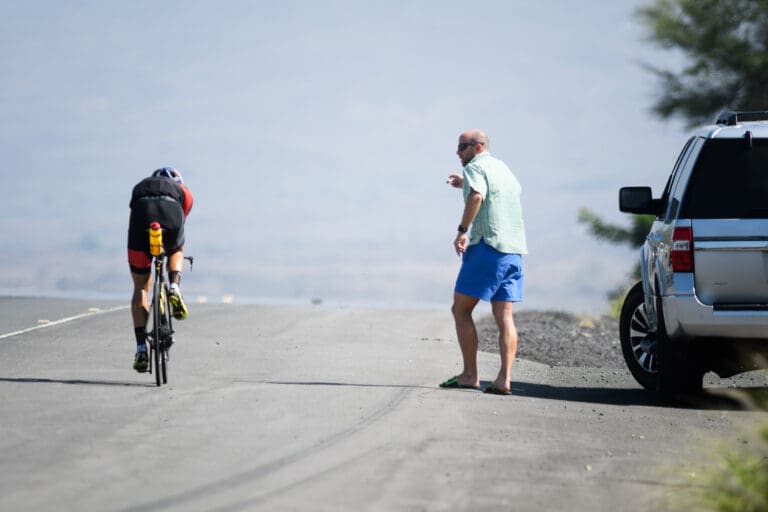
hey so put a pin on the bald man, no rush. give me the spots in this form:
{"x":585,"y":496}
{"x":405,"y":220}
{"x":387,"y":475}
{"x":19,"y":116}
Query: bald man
{"x":492,"y":265}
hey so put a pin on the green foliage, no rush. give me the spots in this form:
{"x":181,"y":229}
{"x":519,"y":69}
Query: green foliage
{"x":616,"y":298}
{"x":725,"y":43}
{"x":737,"y":483}
{"x":634,"y":235}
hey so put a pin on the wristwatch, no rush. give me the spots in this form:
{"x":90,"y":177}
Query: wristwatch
{"x":462,"y":229}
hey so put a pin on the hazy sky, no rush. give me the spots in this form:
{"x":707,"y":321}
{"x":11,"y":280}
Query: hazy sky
{"x":317,"y":137}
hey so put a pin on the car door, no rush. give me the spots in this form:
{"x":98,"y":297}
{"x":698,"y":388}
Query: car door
{"x":655,"y":245}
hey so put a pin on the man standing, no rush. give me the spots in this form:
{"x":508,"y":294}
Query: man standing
{"x":492,"y":266}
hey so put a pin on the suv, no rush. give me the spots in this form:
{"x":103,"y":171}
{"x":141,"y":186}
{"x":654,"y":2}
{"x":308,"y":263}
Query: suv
{"x":702,"y":303}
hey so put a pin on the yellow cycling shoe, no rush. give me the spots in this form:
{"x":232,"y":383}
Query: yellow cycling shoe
{"x":180,"y":311}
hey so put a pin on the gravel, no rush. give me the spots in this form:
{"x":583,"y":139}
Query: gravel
{"x":560,"y":339}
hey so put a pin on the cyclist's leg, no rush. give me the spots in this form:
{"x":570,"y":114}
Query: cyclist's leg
{"x":140,"y":299}
{"x":139,"y":263}
{"x":140,"y":314}
{"x":173,"y":242}
{"x":175,"y":267}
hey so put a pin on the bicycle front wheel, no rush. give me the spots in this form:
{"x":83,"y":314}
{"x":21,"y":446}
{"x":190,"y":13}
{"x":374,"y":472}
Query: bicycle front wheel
{"x":157,"y":316}
{"x":166,"y":336}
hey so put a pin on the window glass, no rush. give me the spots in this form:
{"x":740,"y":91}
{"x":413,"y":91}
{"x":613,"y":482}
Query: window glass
{"x":672,"y":202}
{"x":673,"y":175}
{"x":730,"y":181}
{"x":684,"y":166}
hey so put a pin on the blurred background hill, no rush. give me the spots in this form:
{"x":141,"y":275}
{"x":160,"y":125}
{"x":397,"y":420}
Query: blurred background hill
{"x":316,"y":137}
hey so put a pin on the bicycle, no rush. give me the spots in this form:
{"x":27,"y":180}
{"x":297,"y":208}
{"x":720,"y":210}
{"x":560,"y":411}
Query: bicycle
{"x":160,"y":337}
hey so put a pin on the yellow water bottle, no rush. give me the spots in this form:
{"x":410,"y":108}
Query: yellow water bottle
{"x":155,"y":239}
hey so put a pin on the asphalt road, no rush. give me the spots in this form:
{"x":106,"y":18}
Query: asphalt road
{"x":312,"y":408}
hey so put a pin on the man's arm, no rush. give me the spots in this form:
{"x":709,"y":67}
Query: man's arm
{"x":455,"y":180}
{"x":471,"y":207}
{"x":188,"y":200}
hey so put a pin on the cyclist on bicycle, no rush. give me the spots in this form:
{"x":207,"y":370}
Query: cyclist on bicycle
{"x":162,"y":198}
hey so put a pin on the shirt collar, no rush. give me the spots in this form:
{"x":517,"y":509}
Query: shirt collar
{"x":480,"y":155}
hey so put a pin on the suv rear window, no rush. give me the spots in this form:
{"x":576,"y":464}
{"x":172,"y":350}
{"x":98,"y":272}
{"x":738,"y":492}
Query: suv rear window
{"x":729,"y":181}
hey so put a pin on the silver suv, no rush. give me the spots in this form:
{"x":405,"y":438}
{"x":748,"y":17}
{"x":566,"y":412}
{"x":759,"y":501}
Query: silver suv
{"x":702,"y":303}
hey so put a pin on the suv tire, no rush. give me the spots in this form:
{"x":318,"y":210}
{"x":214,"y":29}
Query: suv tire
{"x":638,"y":343}
{"x":679,"y":373}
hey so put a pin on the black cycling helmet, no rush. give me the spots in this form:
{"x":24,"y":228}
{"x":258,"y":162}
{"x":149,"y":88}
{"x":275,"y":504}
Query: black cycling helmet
{"x":169,"y":172}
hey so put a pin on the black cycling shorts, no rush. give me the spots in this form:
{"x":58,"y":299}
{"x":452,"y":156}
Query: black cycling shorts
{"x":146,"y":210}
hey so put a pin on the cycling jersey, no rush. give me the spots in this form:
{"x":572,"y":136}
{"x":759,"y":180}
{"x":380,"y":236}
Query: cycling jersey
{"x":161,"y":186}
{"x":156,"y":199}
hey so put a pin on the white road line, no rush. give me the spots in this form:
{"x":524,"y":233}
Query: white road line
{"x":61,"y":321}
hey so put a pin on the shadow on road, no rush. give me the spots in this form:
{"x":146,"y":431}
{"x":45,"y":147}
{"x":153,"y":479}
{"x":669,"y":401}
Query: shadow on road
{"x":595,"y":395}
{"x":712,"y":398}
{"x":328,"y":383}
{"x":38,"y":380}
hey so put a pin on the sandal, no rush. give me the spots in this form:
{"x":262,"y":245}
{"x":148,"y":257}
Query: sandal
{"x":454,"y":383}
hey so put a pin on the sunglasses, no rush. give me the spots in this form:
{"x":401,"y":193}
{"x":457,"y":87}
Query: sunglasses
{"x":465,"y":145}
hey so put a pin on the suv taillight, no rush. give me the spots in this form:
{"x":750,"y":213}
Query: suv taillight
{"x":682,"y":250}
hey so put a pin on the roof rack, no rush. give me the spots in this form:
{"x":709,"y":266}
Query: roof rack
{"x":731,"y":118}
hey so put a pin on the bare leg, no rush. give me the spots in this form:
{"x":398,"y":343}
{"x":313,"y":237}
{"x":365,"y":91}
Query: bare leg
{"x":463,"y":305}
{"x":502,"y":313}
{"x":140,"y":299}
{"x":175,"y":266}
{"x":176,"y":261}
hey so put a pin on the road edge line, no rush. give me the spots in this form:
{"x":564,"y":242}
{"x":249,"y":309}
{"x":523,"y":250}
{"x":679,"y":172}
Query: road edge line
{"x":62,"y":320}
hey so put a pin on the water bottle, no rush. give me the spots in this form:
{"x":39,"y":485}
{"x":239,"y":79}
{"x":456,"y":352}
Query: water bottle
{"x":155,"y":239}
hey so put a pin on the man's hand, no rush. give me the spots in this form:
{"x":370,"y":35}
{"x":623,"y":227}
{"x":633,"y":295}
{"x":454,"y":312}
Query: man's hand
{"x":455,"y":180}
{"x":460,"y":244}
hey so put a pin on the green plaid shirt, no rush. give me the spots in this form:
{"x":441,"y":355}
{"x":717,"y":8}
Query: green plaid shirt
{"x":499,"y":223}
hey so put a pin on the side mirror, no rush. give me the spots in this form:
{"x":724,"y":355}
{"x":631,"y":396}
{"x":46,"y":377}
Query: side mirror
{"x":638,"y":200}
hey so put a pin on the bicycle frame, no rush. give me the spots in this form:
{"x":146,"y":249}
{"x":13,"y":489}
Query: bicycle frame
{"x":161,"y":334}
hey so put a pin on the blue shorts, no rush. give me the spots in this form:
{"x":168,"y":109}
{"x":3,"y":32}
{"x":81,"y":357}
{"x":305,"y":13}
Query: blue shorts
{"x":490,"y":275}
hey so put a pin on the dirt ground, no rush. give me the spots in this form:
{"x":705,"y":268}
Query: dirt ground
{"x":560,"y":339}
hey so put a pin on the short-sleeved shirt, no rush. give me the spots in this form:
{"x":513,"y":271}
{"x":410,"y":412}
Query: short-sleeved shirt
{"x":499,"y":223}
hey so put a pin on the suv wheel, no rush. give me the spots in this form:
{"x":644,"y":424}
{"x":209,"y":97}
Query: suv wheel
{"x":638,"y":343}
{"x":679,"y":374}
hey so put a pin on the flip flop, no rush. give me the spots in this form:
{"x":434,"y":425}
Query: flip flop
{"x":453,"y":382}
{"x":496,"y":391}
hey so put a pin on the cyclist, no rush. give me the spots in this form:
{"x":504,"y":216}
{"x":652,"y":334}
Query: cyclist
{"x":162,"y":198}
